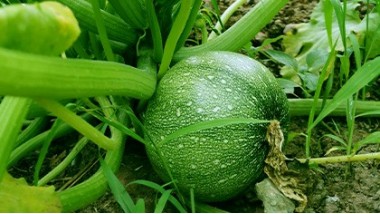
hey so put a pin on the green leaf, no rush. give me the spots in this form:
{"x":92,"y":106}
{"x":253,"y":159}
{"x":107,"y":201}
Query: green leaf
{"x":17,"y":196}
{"x":283,"y":58}
{"x":336,"y":138}
{"x":312,"y":36}
{"x":287,"y":85}
{"x":371,"y":138}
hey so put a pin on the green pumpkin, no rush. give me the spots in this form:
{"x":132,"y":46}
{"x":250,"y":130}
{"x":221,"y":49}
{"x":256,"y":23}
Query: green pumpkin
{"x":220,"y":162}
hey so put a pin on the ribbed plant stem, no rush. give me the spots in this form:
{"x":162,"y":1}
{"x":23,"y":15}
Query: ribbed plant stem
{"x":301,"y":107}
{"x":240,"y":33}
{"x":13,"y":111}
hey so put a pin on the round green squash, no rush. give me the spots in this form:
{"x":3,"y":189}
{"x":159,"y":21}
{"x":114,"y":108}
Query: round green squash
{"x":220,"y":162}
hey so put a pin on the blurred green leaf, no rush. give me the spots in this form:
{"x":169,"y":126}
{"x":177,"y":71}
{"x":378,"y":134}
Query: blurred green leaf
{"x":308,"y":41}
{"x":283,"y":58}
{"x":17,"y":196}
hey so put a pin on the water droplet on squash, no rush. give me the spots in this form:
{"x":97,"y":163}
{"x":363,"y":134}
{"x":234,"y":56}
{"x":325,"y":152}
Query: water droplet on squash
{"x":234,"y":175}
{"x":222,"y":181}
{"x":178,"y":113}
{"x":216,"y":109}
{"x":216,"y":162}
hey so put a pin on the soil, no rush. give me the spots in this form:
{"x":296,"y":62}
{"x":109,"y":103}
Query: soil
{"x":342,"y":187}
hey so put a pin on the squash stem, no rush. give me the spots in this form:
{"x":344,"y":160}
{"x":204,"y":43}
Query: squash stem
{"x":240,"y":33}
{"x":301,"y":107}
{"x":13,"y":111}
{"x":340,"y":159}
{"x":225,"y":16}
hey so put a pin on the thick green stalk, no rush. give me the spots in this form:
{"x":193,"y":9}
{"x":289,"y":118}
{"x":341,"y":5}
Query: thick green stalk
{"x":12,"y":114}
{"x":31,"y":75}
{"x":117,"y":28}
{"x":240,"y":33}
{"x":301,"y":107}
{"x":132,"y":12}
{"x":34,"y":128}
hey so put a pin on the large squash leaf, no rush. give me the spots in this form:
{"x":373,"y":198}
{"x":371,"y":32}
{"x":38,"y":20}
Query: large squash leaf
{"x":17,"y":196}
{"x":306,"y":40}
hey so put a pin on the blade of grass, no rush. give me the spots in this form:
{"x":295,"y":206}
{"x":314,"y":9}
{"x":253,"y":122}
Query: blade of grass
{"x":122,"y":197}
{"x":369,"y":113}
{"x":192,"y":200}
{"x":44,"y":151}
{"x":161,"y":189}
{"x":120,"y":127}
{"x":328,"y":14}
{"x":102,"y":30}
{"x":155,"y":30}
{"x":371,"y":138}
{"x":208,"y":125}
{"x":340,"y":12}
{"x":78,"y":123}
{"x":189,"y":24}
{"x":336,"y":138}
{"x":174,"y":35}
{"x":359,"y":79}
{"x":140,"y":206}
{"x":160,"y":206}
{"x":325,"y":71}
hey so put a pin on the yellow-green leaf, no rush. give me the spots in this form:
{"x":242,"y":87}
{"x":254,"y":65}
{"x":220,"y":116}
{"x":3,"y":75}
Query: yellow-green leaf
{"x":17,"y":196}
